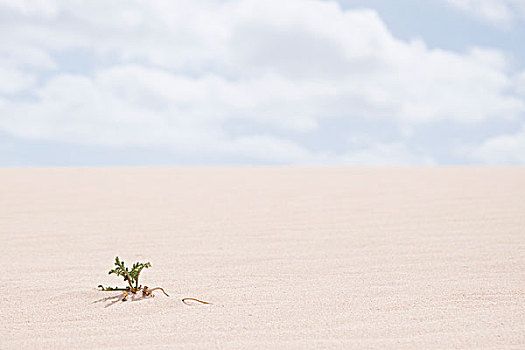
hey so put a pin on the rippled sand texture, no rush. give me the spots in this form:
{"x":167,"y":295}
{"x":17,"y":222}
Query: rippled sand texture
{"x":290,"y":257}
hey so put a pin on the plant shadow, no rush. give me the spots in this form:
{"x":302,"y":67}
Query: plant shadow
{"x":112,"y":300}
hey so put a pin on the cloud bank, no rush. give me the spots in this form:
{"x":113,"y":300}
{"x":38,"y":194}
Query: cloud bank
{"x":176,"y":74}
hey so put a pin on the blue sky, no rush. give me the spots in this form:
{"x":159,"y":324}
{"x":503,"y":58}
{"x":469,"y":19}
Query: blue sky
{"x":246,"y":82}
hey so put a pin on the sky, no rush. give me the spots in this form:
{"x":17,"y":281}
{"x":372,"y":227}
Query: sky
{"x":250,"y":82}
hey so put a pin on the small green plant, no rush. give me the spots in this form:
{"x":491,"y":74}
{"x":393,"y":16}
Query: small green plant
{"x":132,"y":278}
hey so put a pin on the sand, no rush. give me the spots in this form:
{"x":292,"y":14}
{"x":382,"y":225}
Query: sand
{"x":291,"y":258}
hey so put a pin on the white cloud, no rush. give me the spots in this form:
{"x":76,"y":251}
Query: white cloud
{"x":501,"y":12}
{"x":13,"y":80}
{"x":172,"y":73}
{"x":387,"y":154}
{"x":520,"y":83}
{"x":502,"y":150}
{"x":37,"y":8}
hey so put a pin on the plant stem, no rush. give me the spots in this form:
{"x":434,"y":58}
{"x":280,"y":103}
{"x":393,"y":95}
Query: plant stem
{"x":128,"y":277}
{"x":151,"y":290}
{"x":113,"y":289}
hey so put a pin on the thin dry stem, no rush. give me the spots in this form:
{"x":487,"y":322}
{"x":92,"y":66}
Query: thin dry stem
{"x":200,"y":301}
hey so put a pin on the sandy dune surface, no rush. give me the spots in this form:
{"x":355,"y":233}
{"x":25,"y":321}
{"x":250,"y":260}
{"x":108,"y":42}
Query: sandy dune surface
{"x":291,"y":258}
